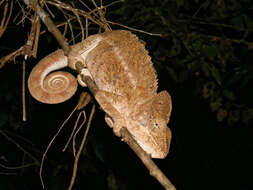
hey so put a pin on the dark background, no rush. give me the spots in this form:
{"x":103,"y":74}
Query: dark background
{"x":203,"y":59}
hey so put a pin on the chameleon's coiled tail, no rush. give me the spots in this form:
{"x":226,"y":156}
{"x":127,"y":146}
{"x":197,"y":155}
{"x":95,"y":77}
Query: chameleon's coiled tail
{"x":55,"y":87}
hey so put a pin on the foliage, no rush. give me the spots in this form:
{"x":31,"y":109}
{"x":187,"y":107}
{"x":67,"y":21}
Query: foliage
{"x":209,"y":42}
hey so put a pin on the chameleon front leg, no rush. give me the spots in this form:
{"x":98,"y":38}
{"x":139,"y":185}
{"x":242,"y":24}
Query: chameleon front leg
{"x":108,"y":102}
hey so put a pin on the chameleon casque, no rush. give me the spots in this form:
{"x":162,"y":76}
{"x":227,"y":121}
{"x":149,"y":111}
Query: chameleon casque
{"x":127,"y":86}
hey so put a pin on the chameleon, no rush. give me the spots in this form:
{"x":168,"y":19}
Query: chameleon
{"x":121,"y":67}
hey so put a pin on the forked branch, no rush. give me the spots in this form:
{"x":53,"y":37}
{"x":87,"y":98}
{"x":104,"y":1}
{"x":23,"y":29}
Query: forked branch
{"x":49,"y":24}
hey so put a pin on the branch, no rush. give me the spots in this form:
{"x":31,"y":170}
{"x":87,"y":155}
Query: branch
{"x":11,"y":56}
{"x":49,"y":24}
{"x":31,"y":45}
{"x":85,"y":14}
{"x":146,"y":160}
{"x":127,"y":137}
{"x":5,"y":20}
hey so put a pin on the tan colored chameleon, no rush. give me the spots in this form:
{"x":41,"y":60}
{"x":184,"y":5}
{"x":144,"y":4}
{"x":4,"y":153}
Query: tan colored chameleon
{"x":122,"y":70}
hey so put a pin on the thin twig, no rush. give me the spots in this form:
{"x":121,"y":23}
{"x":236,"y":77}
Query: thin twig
{"x":77,"y":131}
{"x":80,"y":149}
{"x":5,"y":173}
{"x":49,"y":145}
{"x":36,"y":37}
{"x":134,"y":29}
{"x":59,"y":25}
{"x":4,"y":22}
{"x":11,"y":56}
{"x":23,"y":91}
{"x":19,"y":146}
{"x":58,"y":3}
{"x":17,"y":167}
{"x":73,"y":132}
{"x":113,"y":3}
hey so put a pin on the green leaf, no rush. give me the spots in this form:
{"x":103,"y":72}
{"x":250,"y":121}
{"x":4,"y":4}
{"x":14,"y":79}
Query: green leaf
{"x":228,"y":94}
{"x":176,"y":48}
{"x":209,"y":51}
{"x":180,"y":3}
{"x":221,"y":114}
{"x":248,"y":22}
{"x":172,"y":73}
{"x":216,"y":105}
{"x":247,"y":115}
{"x":3,"y":119}
{"x":183,"y":76}
{"x":237,"y":22}
{"x":208,"y":89}
{"x":205,"y":69}
{"x":216,"y":74}
{"x":233,"y":116}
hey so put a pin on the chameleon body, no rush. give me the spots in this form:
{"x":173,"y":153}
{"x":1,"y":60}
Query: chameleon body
{"x":127,"y":86}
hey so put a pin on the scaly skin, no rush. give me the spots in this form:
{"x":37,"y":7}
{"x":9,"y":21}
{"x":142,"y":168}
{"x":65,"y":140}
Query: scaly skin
{"x":127,"y":86}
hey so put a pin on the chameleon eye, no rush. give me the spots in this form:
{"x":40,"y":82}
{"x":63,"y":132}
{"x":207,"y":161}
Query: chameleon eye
{"x":156,"y":124}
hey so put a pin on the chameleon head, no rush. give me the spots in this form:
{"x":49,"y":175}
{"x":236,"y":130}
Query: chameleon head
{"x":153,"y":136}
{"x":150,"y":125}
